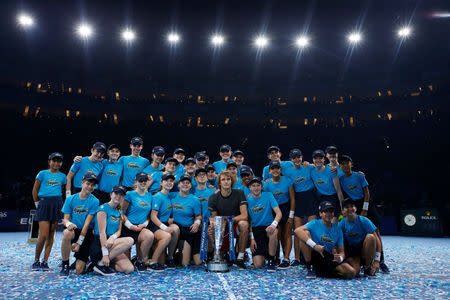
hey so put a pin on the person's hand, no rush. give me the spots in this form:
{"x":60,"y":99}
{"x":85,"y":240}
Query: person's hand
{"x":150,"y":181}
{"x":194,"y":227}
{"x":267,"y":180}
{"x":135,"y":228}
{"x":141,"y":226}
{"x":290,"y":221}
{"x":169,"y":229}
{"x":334,"y":170}
{"x":170,"y":221}
{"x":105,"y":260}
{"x":71,"y":227}
{"x":319,"y":249}
{"x":375,"y":267}
{"x":211,"y":187}
{"x":362,"y":173}
{"x":134,"y":186}
{"x":253,"y":245}
{"x":364,"y":213}
{"x":75,"y":247}
{"x":270,"y":229}
{"x":77,"y":159}
{"x":110,"y":242}
{"x":305,"y":164}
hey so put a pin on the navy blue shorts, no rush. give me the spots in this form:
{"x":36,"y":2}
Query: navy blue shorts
{"x":130,"y":233}
{"x":193,"y":239}
{"x":306,"y":204}
{"x":285,"y":209}
{"x":324,"y":266}
{"x":49,"y":209}
{"x":262,"y":240}
{"x":152,"y":227}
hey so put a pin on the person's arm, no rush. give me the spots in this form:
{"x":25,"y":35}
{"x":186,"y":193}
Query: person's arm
{"x":84,"y":230}
{"x":36,"y":186}
{"x":126,"y":222}
{"x":292,"y":198}
{"x":101,"y":220}
{"x":197,"y":223}
{"x":66,"y":222}
{"x":278,"y":214}
{"x":339,"y":255}
{"x":337,"y":187}
{"x":304,"y":235}
{"x":70,"y":175}
{"x":243,"y":214}
{"x":365,"y":207}
{"x":157,"y":222}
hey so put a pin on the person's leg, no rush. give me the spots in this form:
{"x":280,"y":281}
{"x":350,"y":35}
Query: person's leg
{"x":297,"y":223}
{"x":369,"y":249}
{"x":258,"y":261}
{"x":306,"y":250}
{"x":123,"y":265}
{"x":287,"y":240}
{"x":163,"y":239}
{"x":355,"y":263}
{"x":173,"y":240}
{"x":66,"y":245}
{"x":243,"y":238}
{"x":44,"y":230}
{"x":49,"y":240}
{"x":345,"y":271}
{"x":144,"y":243}
{"x":80,"y":266}
{"x":120,"y":246}
{"x":186,"y":254}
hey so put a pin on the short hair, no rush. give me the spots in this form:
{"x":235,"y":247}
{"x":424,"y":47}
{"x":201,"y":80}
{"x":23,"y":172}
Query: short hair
{"x":227,"y":174}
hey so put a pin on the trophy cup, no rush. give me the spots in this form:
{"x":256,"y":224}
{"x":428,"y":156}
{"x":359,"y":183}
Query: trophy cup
{"x":218,"y":264}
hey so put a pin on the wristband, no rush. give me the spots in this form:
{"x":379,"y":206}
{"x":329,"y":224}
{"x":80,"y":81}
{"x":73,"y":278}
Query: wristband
{"x":340,"y":259}
{"x":80,"y":240}
{"x":311,"y":243}
{"x":365,"y":206}
{"x":198,"y":222}
{"x":145,"y":223}
{"x":274,"y":223}
{"x":68,"y":194}
{"x":105,"y":251}
{"x":291,"y":214}
{"x":114,"y":236}
{"x":163,"y":226}
{"x":252,"y":237}
{"x":128,"y":224}
{"x":68,"y":223}
{"x":36,"y":203}
{"x":377,"y":256}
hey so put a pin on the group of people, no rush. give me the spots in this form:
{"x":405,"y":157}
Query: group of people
{"x":159,"y":206}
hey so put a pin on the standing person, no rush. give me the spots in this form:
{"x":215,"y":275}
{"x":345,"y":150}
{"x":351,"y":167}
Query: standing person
{"x":274,"y":154}
{"x":211,"y":175}
{"x":264,"y":232}
{"x":202,"y":192}
{"x":79,"y":210}
{"x":47,"y":194}
{"x":158,"y":153}
{"x":282,"y":189}
{"x":238,"y":158}
{"x":134,"y":163}
{"x":162,"y":224}
{"x":231,"y":202}
{"x":356,"y":187}
{"x":108,"y":247}
{"x":189,"y":167}
{"x":179,"y":154}
{"x":233,"y":169}
{"x":111,"y":174}
{"x":362,"y":245}
{"x":91,"y":164}
{"x":136,"y":208}
{"x":187,"y":214}
{"x":169,"y":169}
{"x":305,"y":196}
{"x":225,"y":154}
{"x":332,"y":156}
{"x":326,"y":183}
{"x":323,"y":246}
{"x":200,"y":160}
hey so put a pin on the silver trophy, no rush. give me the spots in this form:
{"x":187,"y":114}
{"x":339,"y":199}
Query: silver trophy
{"x":218,"y":264}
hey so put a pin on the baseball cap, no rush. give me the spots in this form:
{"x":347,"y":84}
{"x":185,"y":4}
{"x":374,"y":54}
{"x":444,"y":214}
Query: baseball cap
{"x":171,"y":159}
{"x":90,"y":177}
{"x":348,"y":201}
{"x":185,"y":177}
{"x":210,"y":167}
{"x":295,"y":153}
{"x":99,"y":146}
{"x":225,"y":148}
{"x":200,"y":156}
{"x":55,"y":155}
{"x":272,"y":148}
{"x":324,"y":205}
{"x":158,"y":150}
{"x":141,"y":176}
{"x":255,"y":179}
{"x":137,"y":140}
{"x":112,"y":146}
{"x":231,"y":163}
{"x":199,"y":170}
{"x":167,"y":176}
{"x":179,"y":150}
{"x":344,"y":158}
{"x":118,"y":189}
{"x":189,"y":160}
{"x":246,"y":170}
{"x":274,"y":164}
{"x":318,"y":153}
{"x":238,"y":152}
{"x":331,"y":149}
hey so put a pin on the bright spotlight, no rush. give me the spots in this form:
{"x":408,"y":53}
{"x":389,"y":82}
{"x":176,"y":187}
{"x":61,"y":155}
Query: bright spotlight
{"x":302,"y":41}
{"x":354,"y":38}
{"x":404,"y":32}
{"x":128,"y":35}
{"x":173,"y":38}
{"x":85,"y":31}
{"x":261,"y":42}
{"x":217,"y":40}
{"x":25,"y":20}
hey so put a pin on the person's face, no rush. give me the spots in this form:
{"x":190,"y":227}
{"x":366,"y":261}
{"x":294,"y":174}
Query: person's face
{"x":97,"y":155}
{"x":142,"y":183}
{"x":327,"y":215}
{"x":332,"y":157}
{"x":238,"y":159}
{"x":274,"y":155}
{"x":114,"y":153}
{"x":55,"y":164}
{"x":179,"y":156}
{"x":88,"y":186}
{"x":233,"y":170}
{"x":207,"y":160}
{"x":297,"y":160}
{"x":349,"y":210}
{"x":211,"y":174}
{"x":136,"y":148}
{"x":185,"y":186}
{"x":117,"y":198}
{"x":318,"y":161}
{"x":201,"y":163}
{"x":245,"y":178}
{"x":167,"y":184}
{"x":158,"y":157}
{"x":170,"y":166}
{"x":255,"y":187}
{"x":275,"y":171}
{"x":225,"y":182}
{"x":225,"y":154}
{"x":190,"y":167}
{"x":201,"y":177}
{"x":346,"y":166}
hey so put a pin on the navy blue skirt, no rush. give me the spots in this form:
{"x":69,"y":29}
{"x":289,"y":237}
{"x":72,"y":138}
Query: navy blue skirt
{"x":49,"y":209}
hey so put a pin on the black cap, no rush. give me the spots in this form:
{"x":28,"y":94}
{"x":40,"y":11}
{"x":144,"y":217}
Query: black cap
{"x":118,"y":189}
{"x":274,"y":164}
{"x":246,"y":170}
{"x":295,"y":153}
{"x":112,"y":146}
{"x":137,"y":140}
{"x":231,"y":163}
{"x":344,"y":158}
{"x":210,"y":167}
{"x":90,"y":177}
{"x":179,"y":150}
{"x":255,"y":179}
{"x":171,"y":159}
{"x":238,"y":152}
{"x":348,"y":201}
{"x":271,"y":148}
{"x":141,"y":176}
{"x":158,"y":150}
{"x":225,"y":148}
{"x":199,"y":170}
{"x":324,"y":205}
{"x":56,"y":155}
{"x":167,"y":176}
{"x":318,"y":153}
{"x":99,"y":146}
{"x":189,"y":160}
{"x":200,"y":156}
{"x":185,"y":177}
{"x":331,"y":149}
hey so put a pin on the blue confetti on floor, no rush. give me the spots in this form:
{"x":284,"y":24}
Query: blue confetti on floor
{"x":419,"y":269}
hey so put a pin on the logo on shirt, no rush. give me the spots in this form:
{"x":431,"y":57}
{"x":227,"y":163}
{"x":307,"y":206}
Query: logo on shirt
{"x":203,"y":199}
{"x":132,"y":165}
{"x":326,"y":239}
{"x":299,"y":179}
{"x":143,"y":204}
{"x":111,"y":172}
{"x":278,"y":193}
{"x":52,"y":182}
{"x":115,"y":219}
{"x":178,"y":206}
{"x":80,"y":210}
{"x":320,"y":181}
{"x":353,"y":234}
{"x":352,"y":187}
{"x":256,"y":209}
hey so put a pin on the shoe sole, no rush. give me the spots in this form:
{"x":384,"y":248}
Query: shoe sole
{"x":311,"y":277}
{"x":271,"y":271}
{"x":283,"y":268}
{"x":97,"y":270}
{"x":158,"y":271}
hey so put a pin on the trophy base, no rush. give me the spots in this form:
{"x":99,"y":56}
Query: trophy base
{"x":220,"y":267}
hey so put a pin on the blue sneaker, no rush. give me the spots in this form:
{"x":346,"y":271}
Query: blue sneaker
{"x":64,"y":270}
{"x":36,"y":266}
{"x":140,"y":266}
{"x":284,"y":264}
{"x":384,"y":268}
{"x":156,"y":267}
{"x":271,"y":267}
{"x":295,"y":263}
{"x":310,"y":274}
{"x":170,"y":264}
{"x":44,"y":266}
{"x":104,"y":270}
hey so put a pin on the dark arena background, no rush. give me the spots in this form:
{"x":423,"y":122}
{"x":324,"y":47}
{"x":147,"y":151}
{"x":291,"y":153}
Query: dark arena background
{"x":370,"y":77}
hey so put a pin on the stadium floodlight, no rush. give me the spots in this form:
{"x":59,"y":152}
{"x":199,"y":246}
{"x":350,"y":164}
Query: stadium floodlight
{"x":217,"y":40}
{"x":173,"y":38}
{"x":354,"y":37}
{"x":25,"y":20}
{"x":128,"y":35}
{"x":261,"y":42}
{"x":404,"y":32}
{"x":85,"y":31}
{"x":302,"y":41}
